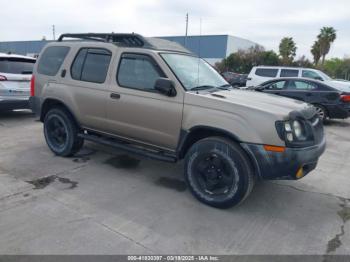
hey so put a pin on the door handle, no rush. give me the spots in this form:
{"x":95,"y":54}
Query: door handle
{"x":115,"y":96}
{"x":308,"y":94}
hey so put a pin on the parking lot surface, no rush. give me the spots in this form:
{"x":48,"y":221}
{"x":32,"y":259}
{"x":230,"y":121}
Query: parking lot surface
{"x":103,"y":201}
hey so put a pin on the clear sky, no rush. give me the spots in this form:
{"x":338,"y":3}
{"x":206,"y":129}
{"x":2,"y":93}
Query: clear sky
{"x":262,"y":21}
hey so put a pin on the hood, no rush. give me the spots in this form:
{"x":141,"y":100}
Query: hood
{"x":229,"y":100}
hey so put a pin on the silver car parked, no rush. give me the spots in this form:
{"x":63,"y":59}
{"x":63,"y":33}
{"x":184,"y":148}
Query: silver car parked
{"x":15,"y":74}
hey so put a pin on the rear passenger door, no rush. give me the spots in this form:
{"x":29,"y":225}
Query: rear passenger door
{"x":302,"y":90}
{"x":89,"y":84}
{"x":136,"y":110}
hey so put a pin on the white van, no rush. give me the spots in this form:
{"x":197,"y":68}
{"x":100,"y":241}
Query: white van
{"x":261,"y":74}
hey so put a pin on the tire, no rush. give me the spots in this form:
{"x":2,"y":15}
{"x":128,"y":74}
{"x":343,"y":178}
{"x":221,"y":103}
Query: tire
{"x":218,"y":172}
{"x":61,"y":132}
{"x":322,"y":112}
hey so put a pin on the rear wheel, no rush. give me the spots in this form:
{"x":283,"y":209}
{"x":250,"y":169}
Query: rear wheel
{"x":61,"y":132}
{"x":218,"y":172}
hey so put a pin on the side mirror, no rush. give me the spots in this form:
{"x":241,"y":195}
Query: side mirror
{"x":259,"y":88}
{"x":165,"y":86}
{"x":319,"y":78}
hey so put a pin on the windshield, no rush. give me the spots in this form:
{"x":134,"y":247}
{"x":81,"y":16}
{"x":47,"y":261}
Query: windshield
{"x":16,"y":65}
{"x":323,"y":75}
{"x":193,"y":72}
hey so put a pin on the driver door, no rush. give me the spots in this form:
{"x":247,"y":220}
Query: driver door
{"x":136,"y":111}
{"x":276,"y":87}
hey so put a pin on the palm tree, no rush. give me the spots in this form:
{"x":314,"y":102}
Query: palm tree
{"x":287,"y":50}
{"x":326,"y":37}
{"x":316,"y":53}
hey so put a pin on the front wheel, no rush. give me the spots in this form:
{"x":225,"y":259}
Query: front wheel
{"x":218,"y":172}
{"x":61,"y":132}
{"x":321,"y":112}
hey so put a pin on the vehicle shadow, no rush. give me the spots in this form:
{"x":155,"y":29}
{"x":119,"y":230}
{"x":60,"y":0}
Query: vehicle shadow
{"x":333,"y":122}
{"x":16,"y":114}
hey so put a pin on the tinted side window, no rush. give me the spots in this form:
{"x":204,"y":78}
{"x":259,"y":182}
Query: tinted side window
{"x":276,"y":85}
{"x":52,"y":59}
{"x":300,"y":85}
{"x":289,"y":73}
{"x":91,"y":65}
{"x":265,"y":72}
{"x":138,"y":71}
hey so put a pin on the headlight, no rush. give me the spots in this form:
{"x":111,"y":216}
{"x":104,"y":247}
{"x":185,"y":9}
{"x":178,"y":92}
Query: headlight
{"x":298,"y":130}
{"x":294,"y":132}
{"x":287,"y":127}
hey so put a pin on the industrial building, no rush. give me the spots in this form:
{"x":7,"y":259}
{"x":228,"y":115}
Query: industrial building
{"x":213,"y":48}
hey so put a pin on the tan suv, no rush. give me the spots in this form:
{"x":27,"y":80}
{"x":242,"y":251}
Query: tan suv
{"x":154,"y":98}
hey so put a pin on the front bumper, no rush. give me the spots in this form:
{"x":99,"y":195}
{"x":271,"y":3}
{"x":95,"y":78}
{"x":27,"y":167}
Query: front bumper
{"x":285,"y":165}
{"x":12,"y":103}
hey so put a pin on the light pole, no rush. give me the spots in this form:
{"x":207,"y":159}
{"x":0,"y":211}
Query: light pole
{"x":186,"y":30}
{"x":53,"y":32}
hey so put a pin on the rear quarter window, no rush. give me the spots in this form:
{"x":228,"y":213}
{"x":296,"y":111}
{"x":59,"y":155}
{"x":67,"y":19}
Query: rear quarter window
{"x":266,"y":72}
{"x":51,"y":60}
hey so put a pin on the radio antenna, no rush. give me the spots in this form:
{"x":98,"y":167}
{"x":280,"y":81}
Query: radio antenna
{"x":199,"y":48}
{"x":186,"y":30}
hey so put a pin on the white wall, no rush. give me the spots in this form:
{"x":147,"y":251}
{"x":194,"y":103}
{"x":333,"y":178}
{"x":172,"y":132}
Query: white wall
{"x":236,"y":43}
{"x":212,"y":61}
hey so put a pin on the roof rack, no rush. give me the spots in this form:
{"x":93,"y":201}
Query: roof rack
{"x":130,"y":40}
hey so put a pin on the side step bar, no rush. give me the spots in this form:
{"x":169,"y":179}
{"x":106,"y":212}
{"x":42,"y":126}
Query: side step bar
{"x":157,"y":155}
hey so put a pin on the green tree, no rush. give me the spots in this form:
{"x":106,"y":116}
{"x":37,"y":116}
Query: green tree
{"x":316,"y":52}
{"x":242,"y":61}
{"x":338,"y":68}
{"x":287,"y":49}
{"x":269,"y":58}
{"x":326,"y":37}
{"x":303,"y":62}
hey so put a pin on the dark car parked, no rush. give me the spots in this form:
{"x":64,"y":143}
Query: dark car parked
{"x":235,"y":80}
{"x":330,"y":102}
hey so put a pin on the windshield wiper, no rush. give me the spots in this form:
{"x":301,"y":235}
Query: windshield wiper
{"x":203,"y":87}
{"x":225,"y":87}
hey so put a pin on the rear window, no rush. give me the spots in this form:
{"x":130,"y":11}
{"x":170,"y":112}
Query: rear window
{"x":11,"y":65}
{"x":52,"y":59}
{"x":91,"y":65}
{"x":266,"y":72}
{"x":289,"y":73}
